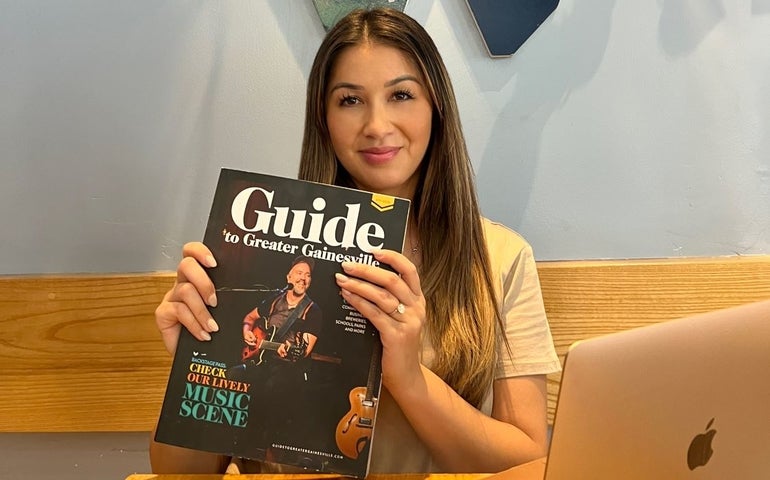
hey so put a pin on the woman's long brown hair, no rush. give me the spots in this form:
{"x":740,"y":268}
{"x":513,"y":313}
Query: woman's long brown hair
{"x":462,"y":313}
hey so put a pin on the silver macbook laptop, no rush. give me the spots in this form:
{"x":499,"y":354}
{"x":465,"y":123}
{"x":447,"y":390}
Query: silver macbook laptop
{"x":683,"y":399}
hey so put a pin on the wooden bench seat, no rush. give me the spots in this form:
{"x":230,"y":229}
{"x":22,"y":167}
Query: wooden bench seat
{"x":80,"y":353}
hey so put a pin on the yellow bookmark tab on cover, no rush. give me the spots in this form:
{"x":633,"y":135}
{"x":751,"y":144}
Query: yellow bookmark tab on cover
{"x":383,"y":203}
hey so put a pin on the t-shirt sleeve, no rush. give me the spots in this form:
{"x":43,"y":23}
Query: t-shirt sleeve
{"x":526,"y":327}
{"x":313,"y":320}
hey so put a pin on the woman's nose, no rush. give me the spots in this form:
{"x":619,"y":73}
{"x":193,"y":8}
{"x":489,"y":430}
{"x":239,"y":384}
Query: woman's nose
{"x":377,"y":121}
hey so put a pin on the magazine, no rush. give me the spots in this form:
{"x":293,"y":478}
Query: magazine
{"x":293,"y":374}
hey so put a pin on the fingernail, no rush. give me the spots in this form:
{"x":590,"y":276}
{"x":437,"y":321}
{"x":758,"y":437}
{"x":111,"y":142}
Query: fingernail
{"x":213,"y":325}
{"x":346,"y":265}
{"x":213,"y":300}
{"x":210,"y":261}
{"x":341,"y":278}
{"x":205,"y":336}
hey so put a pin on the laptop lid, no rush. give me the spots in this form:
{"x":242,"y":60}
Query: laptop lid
{"x":683,"y":399}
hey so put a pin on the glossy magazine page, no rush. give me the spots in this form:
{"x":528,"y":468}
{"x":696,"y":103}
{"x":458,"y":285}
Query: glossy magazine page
{"x":292,"y":376}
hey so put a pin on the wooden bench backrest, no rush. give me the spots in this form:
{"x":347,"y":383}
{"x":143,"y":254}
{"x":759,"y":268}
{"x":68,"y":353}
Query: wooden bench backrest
{"x":584,"y":299}
{"x":81,"y":353}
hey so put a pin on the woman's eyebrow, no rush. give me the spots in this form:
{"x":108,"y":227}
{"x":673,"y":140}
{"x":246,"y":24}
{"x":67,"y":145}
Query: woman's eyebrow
{"x":402,"y":78}
{"x":351,"y":86}
{"x":389,"y":83}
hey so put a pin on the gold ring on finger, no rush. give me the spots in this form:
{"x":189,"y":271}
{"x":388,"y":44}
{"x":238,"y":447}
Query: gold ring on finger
{"x":400,"y":308}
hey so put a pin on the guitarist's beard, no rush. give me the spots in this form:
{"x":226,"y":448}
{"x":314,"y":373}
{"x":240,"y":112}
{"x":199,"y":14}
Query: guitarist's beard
{"x":299,"y":292}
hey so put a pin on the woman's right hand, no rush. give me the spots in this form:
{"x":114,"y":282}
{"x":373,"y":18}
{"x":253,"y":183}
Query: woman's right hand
{"x":185,"y":304}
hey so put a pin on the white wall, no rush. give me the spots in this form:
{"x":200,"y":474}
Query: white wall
{"x":620,"y":129}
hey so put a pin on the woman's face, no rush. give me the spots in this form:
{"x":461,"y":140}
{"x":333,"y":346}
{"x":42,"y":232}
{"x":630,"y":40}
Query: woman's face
{"x":379,"y":116}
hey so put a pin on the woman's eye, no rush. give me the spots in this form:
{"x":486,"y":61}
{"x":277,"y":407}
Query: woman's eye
{"x":402,"y":95}
{"x":349,"y":100}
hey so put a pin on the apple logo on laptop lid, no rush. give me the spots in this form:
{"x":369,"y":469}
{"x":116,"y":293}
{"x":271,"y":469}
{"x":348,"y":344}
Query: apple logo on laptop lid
{"x":700,"y":450}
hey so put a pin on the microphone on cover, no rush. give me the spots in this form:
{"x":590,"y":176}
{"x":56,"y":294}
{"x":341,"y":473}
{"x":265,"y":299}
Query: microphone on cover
{"x":257,"y":288}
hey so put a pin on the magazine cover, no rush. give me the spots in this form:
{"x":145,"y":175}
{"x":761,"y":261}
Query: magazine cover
{"x":293,"y":374}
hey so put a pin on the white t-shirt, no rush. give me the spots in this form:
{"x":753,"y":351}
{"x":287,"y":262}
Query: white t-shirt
{"x":395,"y":446}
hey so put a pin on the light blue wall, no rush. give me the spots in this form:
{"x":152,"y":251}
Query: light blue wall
{"x":620,"y":129}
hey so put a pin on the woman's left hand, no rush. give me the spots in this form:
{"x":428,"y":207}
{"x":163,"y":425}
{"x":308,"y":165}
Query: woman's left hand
{"x":395,"y":305}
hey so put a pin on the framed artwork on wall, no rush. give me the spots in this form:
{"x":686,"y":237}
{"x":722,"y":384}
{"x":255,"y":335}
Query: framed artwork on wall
{"x":506,"y":24}
{"x":332,"y":10}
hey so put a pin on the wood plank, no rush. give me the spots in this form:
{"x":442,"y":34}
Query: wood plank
{"x":584,"y":299}
{"x":81,"y":352}
{"x":315,"y":476}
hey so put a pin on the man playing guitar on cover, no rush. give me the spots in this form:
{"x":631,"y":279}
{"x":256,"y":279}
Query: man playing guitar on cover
{"x":297,"y":341}
{"x":280,"y":335}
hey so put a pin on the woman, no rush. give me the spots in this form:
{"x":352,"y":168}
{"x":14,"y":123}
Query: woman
{"x":466,"y":344}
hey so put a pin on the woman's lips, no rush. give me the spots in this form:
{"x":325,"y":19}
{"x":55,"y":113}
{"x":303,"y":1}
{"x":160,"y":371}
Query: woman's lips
{"x":378,"y":155}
